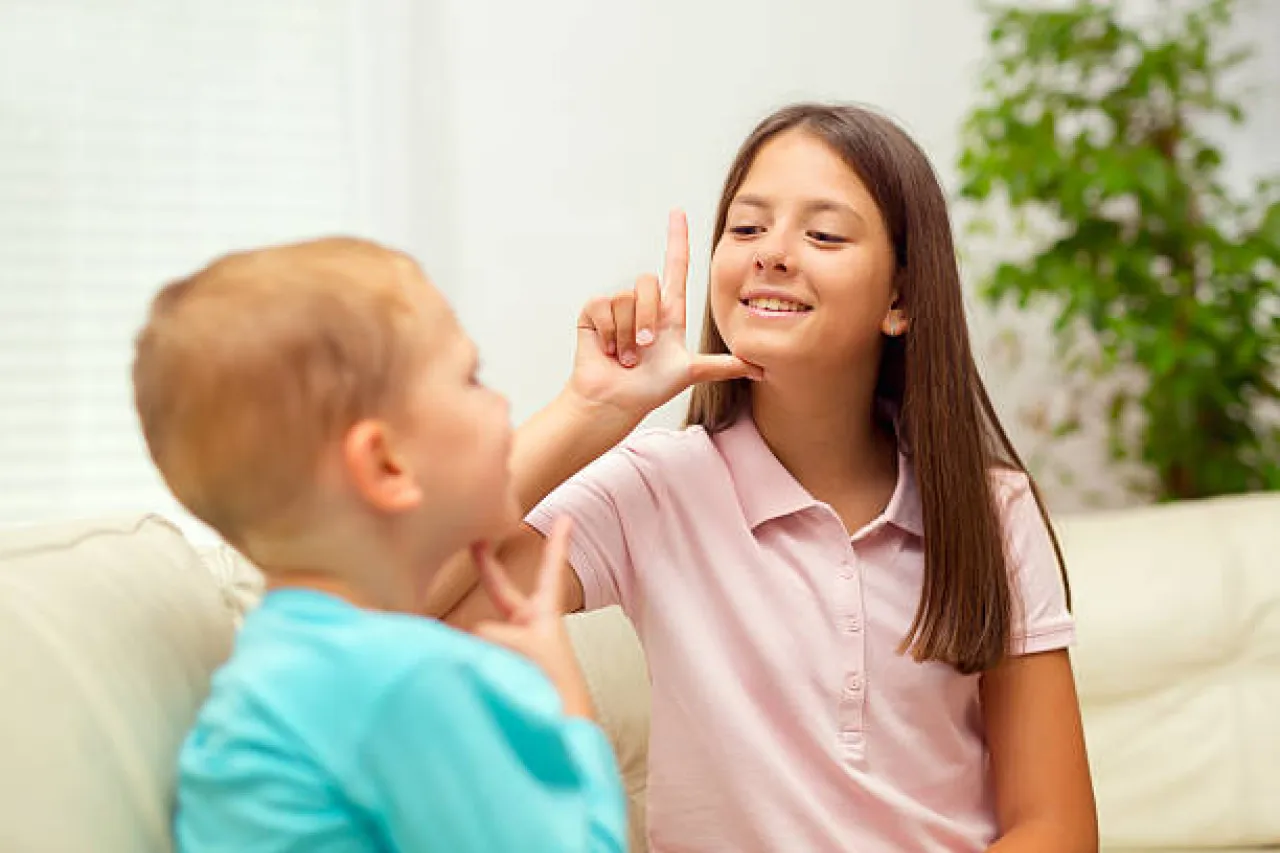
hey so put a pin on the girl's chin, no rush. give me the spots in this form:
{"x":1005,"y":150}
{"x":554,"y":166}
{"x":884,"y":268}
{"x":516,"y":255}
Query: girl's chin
{"x":762,"y":353}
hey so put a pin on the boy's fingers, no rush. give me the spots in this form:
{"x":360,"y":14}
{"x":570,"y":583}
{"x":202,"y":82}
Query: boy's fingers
{"x":551,"y":576}
{"x":501,"y":590}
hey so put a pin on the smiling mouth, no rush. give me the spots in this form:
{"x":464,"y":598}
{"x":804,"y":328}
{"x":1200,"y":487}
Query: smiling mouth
{"x":772,"y":307}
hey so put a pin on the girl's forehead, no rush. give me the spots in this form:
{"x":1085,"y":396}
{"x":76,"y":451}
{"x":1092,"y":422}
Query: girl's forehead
{"x":798,"y":161}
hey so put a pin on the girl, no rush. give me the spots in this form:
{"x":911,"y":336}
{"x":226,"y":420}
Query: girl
{"x":850,"y":600}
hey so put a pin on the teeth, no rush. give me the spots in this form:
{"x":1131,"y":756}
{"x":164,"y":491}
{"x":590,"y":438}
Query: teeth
{"x":771,"y":304}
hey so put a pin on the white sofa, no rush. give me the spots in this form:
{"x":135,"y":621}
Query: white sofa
{"x":110,"y":629}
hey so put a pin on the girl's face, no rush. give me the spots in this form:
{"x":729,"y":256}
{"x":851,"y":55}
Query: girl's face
{"x":803,"y":275}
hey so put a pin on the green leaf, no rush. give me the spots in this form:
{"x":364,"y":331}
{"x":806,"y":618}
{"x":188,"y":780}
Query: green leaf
{"x":1116,"y":409}
{"x":1153,"y":177}
{"x":981,"y":226}
{"x":1066,"y":427}
{"x":1269,"y":230}
{"x":1207,"y":159}
{"x":1234,"y":58}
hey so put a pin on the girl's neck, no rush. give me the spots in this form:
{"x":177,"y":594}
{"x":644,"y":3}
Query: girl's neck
{"x":826,"y":435}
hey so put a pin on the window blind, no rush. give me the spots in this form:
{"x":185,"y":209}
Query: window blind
{"x":138,"y":140}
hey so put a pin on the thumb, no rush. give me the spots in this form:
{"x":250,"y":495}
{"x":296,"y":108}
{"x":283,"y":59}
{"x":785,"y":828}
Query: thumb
{"x":717,"y":368}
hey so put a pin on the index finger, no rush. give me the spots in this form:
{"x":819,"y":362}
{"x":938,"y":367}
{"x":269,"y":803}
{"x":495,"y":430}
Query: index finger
{"x":551,"y":576}
{"x":675,"y":270}
{"x":502,"y":592}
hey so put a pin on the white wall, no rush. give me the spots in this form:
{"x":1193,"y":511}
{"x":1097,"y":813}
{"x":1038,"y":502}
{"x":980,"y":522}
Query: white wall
{"x":579,"y":123}
{"x":526,"y":152}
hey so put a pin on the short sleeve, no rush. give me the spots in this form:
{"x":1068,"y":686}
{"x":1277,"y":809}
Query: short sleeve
{"x":1043,"y":622}
{"x":612,"y":505}
{"x":460,"y":760}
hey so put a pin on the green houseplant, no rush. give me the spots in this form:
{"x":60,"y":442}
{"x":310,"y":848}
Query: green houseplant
{"x":1165,"y":287}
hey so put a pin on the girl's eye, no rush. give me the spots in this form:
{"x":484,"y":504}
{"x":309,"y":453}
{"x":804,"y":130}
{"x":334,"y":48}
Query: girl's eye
{"x":826,"y":237}
{"x":745,"y":230}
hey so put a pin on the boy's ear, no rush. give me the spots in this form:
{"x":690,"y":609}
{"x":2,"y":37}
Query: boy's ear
{"x":381,"y":476}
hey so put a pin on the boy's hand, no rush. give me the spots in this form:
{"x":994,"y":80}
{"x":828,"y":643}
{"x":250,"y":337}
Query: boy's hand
{"x":631,"y":347}
{"x":534,"y":625}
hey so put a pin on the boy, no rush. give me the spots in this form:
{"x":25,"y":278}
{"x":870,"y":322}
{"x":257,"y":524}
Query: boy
{"x":317,"y":405}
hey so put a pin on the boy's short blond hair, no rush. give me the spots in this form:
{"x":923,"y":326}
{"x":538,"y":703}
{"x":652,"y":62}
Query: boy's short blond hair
{"x":247,"y":370}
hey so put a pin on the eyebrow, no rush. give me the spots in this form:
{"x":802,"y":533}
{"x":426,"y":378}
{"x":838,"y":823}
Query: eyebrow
{"x":810,"y":206}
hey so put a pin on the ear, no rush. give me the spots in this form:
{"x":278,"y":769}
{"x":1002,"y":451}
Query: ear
{"x":379,"y":473}
{"x":895,"y":321}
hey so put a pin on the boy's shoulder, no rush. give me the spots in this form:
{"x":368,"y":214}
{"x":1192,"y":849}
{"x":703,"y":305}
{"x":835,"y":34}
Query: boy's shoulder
{"x":317,"y":688}
{"x":409,"y":645}
{"x":300,"y":646}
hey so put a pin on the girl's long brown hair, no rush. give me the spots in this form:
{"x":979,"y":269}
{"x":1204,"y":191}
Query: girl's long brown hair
{"x":946,"y":422}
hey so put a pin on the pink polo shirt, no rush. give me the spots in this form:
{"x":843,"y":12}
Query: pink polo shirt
{"x":784,"y":718}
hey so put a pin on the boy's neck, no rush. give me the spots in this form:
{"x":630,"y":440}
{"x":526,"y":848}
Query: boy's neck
{"x":317,"y":582}
{"x":357,"y":569}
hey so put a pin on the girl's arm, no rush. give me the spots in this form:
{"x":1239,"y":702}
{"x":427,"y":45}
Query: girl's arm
{"x":631,"y":358}
{"x":550,"y":448}
{"x":1043,"y":790}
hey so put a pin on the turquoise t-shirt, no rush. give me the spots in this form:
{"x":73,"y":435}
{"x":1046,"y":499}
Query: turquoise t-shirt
{"x":335,"y":730}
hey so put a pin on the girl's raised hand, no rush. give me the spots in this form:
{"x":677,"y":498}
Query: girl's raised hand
{"x":631,"y":350}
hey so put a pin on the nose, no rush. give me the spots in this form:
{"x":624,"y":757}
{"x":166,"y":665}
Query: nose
{"x":772,"y":261}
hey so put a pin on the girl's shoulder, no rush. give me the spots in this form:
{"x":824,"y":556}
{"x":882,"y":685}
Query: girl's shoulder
{"x":665,"y":446}
{"x":1016,"y":503}
{"x":1010,"y":485}
{"x":665,"y":460}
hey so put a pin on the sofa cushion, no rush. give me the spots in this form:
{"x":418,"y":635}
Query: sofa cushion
{"x":110,"y":631}
{"x":1178,"y":611}
{"x":614,"y":666}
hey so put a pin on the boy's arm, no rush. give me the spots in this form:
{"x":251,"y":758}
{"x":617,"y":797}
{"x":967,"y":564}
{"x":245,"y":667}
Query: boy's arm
{"x":466,"y":761}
